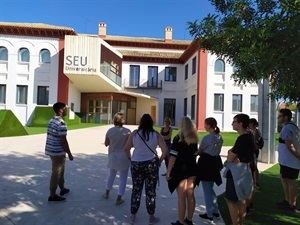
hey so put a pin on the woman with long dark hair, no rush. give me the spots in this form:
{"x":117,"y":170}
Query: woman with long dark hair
{"x":145,"y":165}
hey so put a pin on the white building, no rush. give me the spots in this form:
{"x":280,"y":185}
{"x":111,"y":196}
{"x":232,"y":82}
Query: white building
{"x":99,"y":75}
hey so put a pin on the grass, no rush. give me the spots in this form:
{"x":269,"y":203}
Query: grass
{"x":269,"y":193}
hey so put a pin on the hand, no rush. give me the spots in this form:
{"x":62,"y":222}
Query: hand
{"x":71,"y":157}
{"x":168,"y":176}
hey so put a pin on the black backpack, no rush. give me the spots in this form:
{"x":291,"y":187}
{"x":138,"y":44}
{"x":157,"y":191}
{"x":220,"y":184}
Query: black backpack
{"x":260,"y":142}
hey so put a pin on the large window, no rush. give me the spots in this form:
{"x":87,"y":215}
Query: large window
{"x":45,"y":56}
{"x":169,"y":108}
{"x":23,"y":55}
{"x":193,"y":107}
{"x":3,"y":53}
{"x":194,"y":65}
{"x":21,"y":94}
{"x":134,"y":76}
{"x":219,"y":102}
{"x":43,"y":95}
{"x":152,"y":76}
{"x":2,"y":93}
{"x":185,"y":107}
{"x":219,"y":66}
{"x":237,"y":103}
{"x":170,"y":73}
{"x":186,"y":71}
{"x":254,"y":103}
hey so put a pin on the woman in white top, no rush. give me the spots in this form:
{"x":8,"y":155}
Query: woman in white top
{"x":116,"y":138}
{"x":145,"y":165}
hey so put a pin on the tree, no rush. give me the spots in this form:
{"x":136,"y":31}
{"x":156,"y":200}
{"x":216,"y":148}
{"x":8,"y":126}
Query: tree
{"x":261,"y":38}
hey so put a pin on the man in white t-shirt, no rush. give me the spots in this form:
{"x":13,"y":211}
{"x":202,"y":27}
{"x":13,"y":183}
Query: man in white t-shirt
{"x":289,"y":159}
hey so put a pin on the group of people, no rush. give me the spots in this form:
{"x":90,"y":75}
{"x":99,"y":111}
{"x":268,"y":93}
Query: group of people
{"x":183,"y":171}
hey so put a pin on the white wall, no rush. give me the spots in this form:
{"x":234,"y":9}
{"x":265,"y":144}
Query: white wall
{"x":223,"y":84}
{"x":32,"y":74}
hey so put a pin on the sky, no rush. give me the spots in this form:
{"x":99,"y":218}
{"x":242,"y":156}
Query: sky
{"x":134,"y":18}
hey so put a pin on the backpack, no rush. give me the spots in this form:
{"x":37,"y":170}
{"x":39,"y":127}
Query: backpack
{"x":260,"y":142}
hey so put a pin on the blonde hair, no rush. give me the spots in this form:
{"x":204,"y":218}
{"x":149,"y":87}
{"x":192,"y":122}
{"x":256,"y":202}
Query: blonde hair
{"x":187,"y":131}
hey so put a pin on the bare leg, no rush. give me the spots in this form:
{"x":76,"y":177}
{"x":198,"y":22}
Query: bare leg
{"x":181,"y":192}
{"x":190,"y":198}
{"x":241,"y":206}
{"x":233,"y":210}
{"x":292,"y":189}
{"x":285,"y":188}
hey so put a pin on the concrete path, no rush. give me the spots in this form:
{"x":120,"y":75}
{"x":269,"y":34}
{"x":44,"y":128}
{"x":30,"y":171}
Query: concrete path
{"x":24,"y":179}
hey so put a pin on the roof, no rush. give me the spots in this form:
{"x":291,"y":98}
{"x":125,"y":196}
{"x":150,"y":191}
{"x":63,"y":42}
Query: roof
{"x":35,"y":29}
{"x":150,"y":54}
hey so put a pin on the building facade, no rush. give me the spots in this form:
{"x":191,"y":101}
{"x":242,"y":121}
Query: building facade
{"x":99,"y":75}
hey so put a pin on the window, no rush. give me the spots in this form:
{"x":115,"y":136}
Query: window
{"x":169,"y":108}
{"x":45,"y":56}
{"x":237,"y":103}
{"x":219,"y":102}
{"x":23,"y":55}
{"x":152,"y":76}
{"x":254,"y":103}
{"x":134,"y":76}
{"x":194,"y":65}
{"x":185,"y":107}
{"x":43,"y":95}
{"x":22,"y":94}
{"x":186,"y":71}
{"x":170,"y":73}
{"x":219,"y":66}
{"x":2,"y":93}
{"x":193,"y":107}
{"x":3,"y":53}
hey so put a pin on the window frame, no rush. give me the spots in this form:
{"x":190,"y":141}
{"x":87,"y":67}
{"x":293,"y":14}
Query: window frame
{"x":194,"y":65}
{"x":185,"y":104}
{"x":186,"y":71}
{"x":21,"y":90}
{"x":170,"y":77}
{"x":255,"y":103}
{"x":3,"y":53}
{"x":219,"y":106}
{"x":193,"y":107}
{"x":170,"y":109}
{"x":43,"y":100}
{"x":44,"y":54}
{"x":2,"y":93}
{"x":23,"y":52}
{"x":134,"y":78}
{"x":237,"y":102}
{"x":152,"y":76}
{"x":222,"y":69}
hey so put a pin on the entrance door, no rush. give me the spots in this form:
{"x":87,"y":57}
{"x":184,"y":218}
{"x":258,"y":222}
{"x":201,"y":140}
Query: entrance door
{"x":131,"y":117}
{"x":153,"y":113}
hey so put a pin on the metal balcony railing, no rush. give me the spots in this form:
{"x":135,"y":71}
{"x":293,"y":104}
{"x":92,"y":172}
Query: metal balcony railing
{"x":142,"y":84}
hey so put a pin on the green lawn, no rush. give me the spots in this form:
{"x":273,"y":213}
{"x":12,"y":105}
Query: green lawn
{"x":266,"y":212}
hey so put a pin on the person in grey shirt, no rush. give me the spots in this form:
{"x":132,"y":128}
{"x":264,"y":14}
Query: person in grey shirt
{"x":116,"y":138}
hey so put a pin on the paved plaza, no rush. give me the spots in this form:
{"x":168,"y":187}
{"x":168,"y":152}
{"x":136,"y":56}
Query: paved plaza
{"x":24,"y":185}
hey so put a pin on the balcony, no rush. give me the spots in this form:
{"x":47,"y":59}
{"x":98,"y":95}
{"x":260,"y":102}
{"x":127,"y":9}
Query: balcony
{"x":105,"y":68}
{"x":142,"y":84}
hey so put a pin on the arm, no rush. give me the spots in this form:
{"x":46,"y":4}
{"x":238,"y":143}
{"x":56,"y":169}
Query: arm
{"x":292,"y":149}
{"x":163,"y":147}
{"x":106,"y":142}
{"x":232,"y":157}
{"x":65,"y":145}
{"x":172,"y":161}
{"x":129,"y":145}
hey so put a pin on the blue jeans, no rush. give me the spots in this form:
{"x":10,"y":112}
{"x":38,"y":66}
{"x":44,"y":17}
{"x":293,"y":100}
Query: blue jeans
{"x":210,"y":198}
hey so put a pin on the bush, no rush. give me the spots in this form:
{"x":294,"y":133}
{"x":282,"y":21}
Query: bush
{"x":10,"y":125}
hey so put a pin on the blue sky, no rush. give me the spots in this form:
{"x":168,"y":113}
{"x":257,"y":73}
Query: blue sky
{"x":137,"y":18}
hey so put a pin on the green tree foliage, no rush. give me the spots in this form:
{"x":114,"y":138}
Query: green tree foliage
{"x":261,"y":38}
